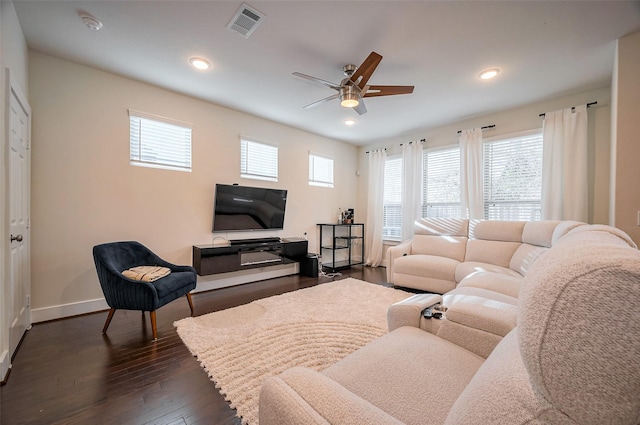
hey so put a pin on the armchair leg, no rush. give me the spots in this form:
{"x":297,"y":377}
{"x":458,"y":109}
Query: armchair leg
{"x":154,"y":327}
{"x":108,"y":322}
{"x":190,"y":302}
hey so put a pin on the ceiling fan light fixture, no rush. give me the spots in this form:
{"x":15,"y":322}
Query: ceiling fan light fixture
{"x":488,"y":74}
{"x":349,"y":97}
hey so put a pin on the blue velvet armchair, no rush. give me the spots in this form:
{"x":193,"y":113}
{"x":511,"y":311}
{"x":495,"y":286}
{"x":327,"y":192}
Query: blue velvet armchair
{"x":121,"y":292}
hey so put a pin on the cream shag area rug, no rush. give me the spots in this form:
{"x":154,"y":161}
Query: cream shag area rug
{"x":313,"y":327}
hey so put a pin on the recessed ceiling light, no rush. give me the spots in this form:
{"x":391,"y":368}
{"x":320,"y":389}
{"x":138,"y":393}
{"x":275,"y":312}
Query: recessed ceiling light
{"x":488,"y":74}
{"x":349,"y":121}
{"x":90,"y":21}
{"x":200,"y":63}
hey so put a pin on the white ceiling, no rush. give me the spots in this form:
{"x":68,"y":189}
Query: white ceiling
{"x":544,"y":49}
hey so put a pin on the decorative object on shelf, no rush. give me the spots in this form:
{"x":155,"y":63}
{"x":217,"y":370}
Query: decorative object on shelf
{"x":349,"y":216}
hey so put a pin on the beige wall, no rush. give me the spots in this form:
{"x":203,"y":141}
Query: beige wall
{"x":13,"y":56}
{"x":86,"y":193}
{"x":626,"y":137}
{"x":518,"y":120}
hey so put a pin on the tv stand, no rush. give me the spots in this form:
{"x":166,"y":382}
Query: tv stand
{"x":246,"y":254}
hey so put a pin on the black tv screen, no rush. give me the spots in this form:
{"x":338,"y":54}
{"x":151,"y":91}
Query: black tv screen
{"x":243,"y":208}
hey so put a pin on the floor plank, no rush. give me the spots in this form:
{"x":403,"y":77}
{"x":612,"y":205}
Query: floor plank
{"x":67,"y":372}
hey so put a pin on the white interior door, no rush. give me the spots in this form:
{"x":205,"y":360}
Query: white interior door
{"x":19,"y":283}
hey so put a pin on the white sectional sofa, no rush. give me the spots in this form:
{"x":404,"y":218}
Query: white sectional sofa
{"x":478,"y":266}
{"x":573,"y":356}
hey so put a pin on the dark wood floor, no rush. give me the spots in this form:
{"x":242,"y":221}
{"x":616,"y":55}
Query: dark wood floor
{"x":67,"y":372}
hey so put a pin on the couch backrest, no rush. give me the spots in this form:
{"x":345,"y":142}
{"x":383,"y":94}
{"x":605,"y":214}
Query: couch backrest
{"x":537,"y":237}
{"x":586,"y":364}
{"x":493,"y":241}
{"x":575,"y":355}
{"x":445,"y":237}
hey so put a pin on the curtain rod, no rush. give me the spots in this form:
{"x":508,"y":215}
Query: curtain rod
{"x":384,"y":149}
{"x":573,"y":107}
{"x":421,"y":140}
{"x":481,"y":128}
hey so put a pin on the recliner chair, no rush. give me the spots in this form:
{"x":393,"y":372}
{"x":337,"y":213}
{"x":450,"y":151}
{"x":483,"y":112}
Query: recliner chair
{"x":120,"y":292}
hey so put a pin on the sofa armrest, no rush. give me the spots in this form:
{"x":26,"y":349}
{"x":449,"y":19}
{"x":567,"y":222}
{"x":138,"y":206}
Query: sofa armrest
{"x":408,"y":312}
{"x":395,"y":252}
{"x":301,"y":396}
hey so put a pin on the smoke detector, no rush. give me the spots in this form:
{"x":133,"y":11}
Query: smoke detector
{"x":245,"y":21}
{"x":90,"y":21}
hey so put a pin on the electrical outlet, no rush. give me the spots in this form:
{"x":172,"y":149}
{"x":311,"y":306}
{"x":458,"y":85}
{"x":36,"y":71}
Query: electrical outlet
{"x":638,"y":218}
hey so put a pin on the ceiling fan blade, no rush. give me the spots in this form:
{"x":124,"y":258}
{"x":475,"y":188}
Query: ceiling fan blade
{"x":373,"y":91}
{"x":318,"y":102}
{"x":317,"y":80}
{"x":360,"y":109}
{"x":365,"y":70}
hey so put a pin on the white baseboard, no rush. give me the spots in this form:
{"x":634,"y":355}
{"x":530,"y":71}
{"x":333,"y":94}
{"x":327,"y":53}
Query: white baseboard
{"x":66,"y":310}
{"x":205,"y":283}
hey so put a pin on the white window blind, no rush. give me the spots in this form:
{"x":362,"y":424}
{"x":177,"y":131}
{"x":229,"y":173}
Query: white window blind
{"x":159,"y":142}
{"x":513,"y":178}
{"x":441,"y":183}
{"x":320,"y":171}
{"x":258,"y":160}
{"x":392,"y":213}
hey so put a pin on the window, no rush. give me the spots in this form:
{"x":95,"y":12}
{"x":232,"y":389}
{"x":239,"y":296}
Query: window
{"x":159,"y":142}
{"x":392,"y":213}
{"x":320,"y":171}
{"x":258,"y":160}
{"x":441,"y":183}
{"x":513,"y":178}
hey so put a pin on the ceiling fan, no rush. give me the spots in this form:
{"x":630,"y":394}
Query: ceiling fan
{"x":354,"y":88}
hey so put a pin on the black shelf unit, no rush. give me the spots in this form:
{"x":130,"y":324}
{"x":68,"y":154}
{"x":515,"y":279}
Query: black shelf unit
{"x":341,"y":245}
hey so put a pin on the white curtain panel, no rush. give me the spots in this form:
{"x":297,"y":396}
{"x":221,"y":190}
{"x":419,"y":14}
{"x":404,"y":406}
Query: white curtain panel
{"x":471,"y":177}
{"x":564,"y":165}
{"x":411,"y":187}
{"x":375,"y":208}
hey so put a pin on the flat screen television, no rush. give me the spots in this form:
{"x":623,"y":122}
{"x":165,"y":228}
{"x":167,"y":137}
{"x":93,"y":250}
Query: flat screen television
{"x":242,"y":208}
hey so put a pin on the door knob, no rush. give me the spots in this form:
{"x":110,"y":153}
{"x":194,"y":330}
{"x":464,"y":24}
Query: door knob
{"x":16,"y":238}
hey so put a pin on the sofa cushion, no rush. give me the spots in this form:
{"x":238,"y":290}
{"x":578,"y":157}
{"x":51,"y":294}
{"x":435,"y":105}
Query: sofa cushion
{"x":500,"y":393}
{"x":539,"y":233}
{"x":563,"y":228}
{"x":428,"y":265}
{"x":444,"y":246}
{"x":524,"y":257}
{"x":441,"y":226}
{"x":303,"y":396}
{"x":468,"y":268}
{"x":410,"y":374}
{"x":502,"y":283}
{"x":491,"y":252}
{"x":496,"y":230}
{"x":423,"y":283}
{"x":461,"y":292}
{"x":425,"y":272}
{"x":481,"y":313}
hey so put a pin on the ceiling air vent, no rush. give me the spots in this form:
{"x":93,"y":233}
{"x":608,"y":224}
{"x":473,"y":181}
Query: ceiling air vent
{"x":245,"y":21}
